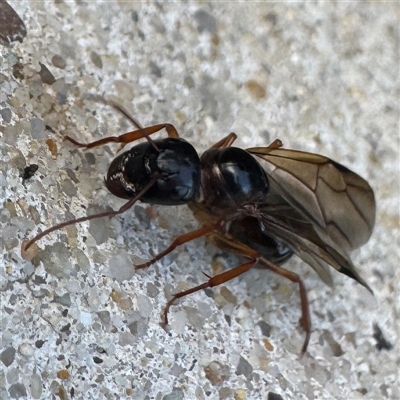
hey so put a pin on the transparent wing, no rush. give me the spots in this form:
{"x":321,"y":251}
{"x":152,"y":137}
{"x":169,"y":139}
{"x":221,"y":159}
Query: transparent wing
{"x":318,"y":207}
{"x":311,"y":244}
{"x":331,"y":196}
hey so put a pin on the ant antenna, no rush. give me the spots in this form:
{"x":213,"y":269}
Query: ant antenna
{"x":124,"y":208}
{"x":134,"y":121}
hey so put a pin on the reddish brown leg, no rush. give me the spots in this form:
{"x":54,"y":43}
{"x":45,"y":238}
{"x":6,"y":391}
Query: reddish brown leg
{"x":225,"y":242}
{"x":129,"y":136}
{"x":214,"y":281}
{"x":225,"y":142}
{"x":276,"y":144}
{"x":305,"y":320}
{"x":228,"y":141}
{"x":126,"y":114}
{"x":110,"y":214}
{"x":187,"y":237}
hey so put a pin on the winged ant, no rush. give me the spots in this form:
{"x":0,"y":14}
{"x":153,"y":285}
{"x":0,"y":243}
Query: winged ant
{"x":262,"y":203}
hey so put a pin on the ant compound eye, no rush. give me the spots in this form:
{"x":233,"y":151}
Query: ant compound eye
{"x":128,"y":173}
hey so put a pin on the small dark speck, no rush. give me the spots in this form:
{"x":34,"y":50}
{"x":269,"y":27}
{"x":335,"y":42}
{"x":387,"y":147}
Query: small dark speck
{"x":193,"y":364}
{"x":90,"y":158}
{"x":17,"y":391}
{"x":265,"y":328}
{"x":38,"y":280}
{"x":155,"y":70}
{"x":97,"y":360}
{"x":39,"y":343}
{"x":61,"y":98}
{"x":387,"y":109}
{"x":18,"y":70}
{"x":66,"y":328}
{"x":272,"y":18}
{"x":205,"y":22}
{"x":274,"y":396}
{"x":58,"y":61}
{"x":29,"y":171}
{"x":244,"y":367}
{"x":6,"y":114}
{"x":12,"y":27}
{"x":381,"y":342}
{"x":49,"y":128}
{"x":331,"y":316}
{"x":378,"y":274}
{"x":134,"y":16}
{"x":65,"y":300}
{"x":228,"y":319}
{"x":7,"y":356}
{"x":71,"y":174}
{"x":96,"y":59}
{"x":101,"y":350}
{"x":45,"y":75}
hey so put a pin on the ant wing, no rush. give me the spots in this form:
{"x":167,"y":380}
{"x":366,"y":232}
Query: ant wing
{"x":318,"y":207}
{"x":334,"y":199}
{"x":311,"y":244}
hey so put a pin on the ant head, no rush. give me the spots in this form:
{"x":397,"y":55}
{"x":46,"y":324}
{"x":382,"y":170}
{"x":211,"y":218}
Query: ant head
{"x":173,"y":161}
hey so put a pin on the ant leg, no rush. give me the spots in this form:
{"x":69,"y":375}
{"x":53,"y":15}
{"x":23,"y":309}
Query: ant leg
{"x":126,"y":114}
{"x":229,"y":244}
{"x":129,"y":136}
{"x":179,"y":240}
{"x":228,"y":141}
{"x":276,"y":144}
{"x":225,"y":142}
{"x":214,"y":281}
{"x":305,"y":320}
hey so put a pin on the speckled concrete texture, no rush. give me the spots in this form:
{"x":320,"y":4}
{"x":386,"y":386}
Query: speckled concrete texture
{"x":77,"y":321}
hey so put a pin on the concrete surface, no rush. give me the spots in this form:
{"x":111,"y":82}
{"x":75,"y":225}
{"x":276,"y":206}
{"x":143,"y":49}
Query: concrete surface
{"x":77,"y":321}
